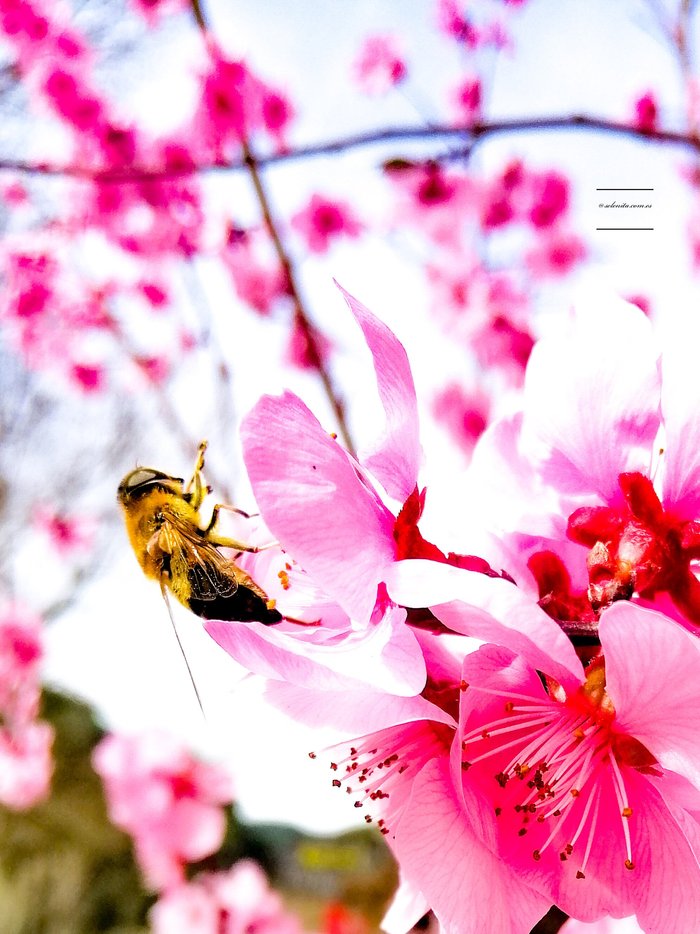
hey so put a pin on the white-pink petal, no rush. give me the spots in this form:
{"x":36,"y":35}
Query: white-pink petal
{"x":396,"y":458}
{"x":487,"y":608}
{"x":384,"y":655}
{"x":353,"y":713}
{"x":652,"y":670}
{"x":592,"y":396}
{"x":680,"y":405}
{"x":407,"y":908}
{"x":315,"y":504}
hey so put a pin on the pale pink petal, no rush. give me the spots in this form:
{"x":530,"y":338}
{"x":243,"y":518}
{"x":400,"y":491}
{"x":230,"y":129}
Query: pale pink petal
{"x":407,"y":908}
{"x":653,"y":678}
{"x":187,"y":909}
{"x":604,"y":926}
{"x":592,"y":397}
{"x":487,"y":608}
{"x":468,"y":887}
{"x":668,"y":871}
{"x":504,"y":488}
{"x":352,"y":713}
{"x":680,"y":404}
{"x":196,"y":829}
{"x":315,"y":504}
{"x":385,"y":655}
{"x":397,"y":457}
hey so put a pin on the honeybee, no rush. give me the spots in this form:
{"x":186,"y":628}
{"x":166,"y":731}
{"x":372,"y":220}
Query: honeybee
{"x":172,"y":546}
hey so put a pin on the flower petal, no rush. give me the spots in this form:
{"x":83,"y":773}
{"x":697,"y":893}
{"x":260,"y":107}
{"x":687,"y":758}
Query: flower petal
{"x":406,"y":909}
{"x":396,"y":459}
{"x":653,"y":678}
{"x":486,"y":608}
{"x":467,"y":886}
{"x":385,"y":655}
{"x":680,"y":404}
{"x":592,"y":396}
{"x":315,"y":504}
{"x":352,"y":713}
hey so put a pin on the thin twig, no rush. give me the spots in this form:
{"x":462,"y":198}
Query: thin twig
{"x":302,"y":318}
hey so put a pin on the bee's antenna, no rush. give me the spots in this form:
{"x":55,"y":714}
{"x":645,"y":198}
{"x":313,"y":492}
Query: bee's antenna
{"x":177,"y":636}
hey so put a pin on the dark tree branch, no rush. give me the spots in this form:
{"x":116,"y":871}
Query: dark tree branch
{"x":468,"y":136}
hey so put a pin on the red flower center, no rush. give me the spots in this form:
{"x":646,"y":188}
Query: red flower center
{"x":638,"y":548}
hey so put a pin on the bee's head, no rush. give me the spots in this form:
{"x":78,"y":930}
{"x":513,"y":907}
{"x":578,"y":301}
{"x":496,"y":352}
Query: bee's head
{"x":144,"y":479}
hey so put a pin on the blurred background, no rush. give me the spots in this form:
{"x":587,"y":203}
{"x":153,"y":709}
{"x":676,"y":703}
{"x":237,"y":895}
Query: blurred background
{"x":180,"y":184}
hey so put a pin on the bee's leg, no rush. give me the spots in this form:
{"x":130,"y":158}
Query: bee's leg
{"x":223,"y":541}
{"x":239,"y":512}
{"x":196,"y":488}
{"x":215,"y":515}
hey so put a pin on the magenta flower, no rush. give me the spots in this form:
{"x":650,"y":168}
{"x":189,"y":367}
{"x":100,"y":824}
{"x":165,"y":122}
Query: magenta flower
{"x":578,"y":787}
{"x":594,"y":786}
{"x":324,"y":220}
{"x":398,"y":774}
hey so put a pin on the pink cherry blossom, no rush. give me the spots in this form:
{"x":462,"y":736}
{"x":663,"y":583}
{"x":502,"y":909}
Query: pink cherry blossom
{"x":380,"y":64}
{"x":549,"y":199}
{"x":166,"y":799}
{"x":594,"y":788}
{"x":26,"y":763}
{"x":359,"y":636}
{"x":324,"y":220}
{"x":605,"y":457}
{"x":296,"y":495}
{"x":555,"y":254}
{"x":646,"y":112}
{"x":68,"y":534}
{"x":154,"y":10}
{"x":234,"y":901}
{"x":560,"y":785}
{"x":257,"y":276}
{"x":398,"y":775}
{"x":467,"y":101}
{"x":301,"y":352}
{"x":465,"y":414}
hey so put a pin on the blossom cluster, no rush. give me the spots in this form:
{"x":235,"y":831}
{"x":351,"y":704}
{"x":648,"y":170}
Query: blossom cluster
{"x":520,"y":723}
{"x":170,"y":803}
{"x":26,"y":764}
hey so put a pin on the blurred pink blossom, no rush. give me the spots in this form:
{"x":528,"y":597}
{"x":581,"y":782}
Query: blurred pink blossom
{"x":646,"y":113}
{"x":467,"y":101}
{"x":324,"y":220}
{"x":26,"y":765}
{"x":166,"y":799}
{"x":67,"y":533}
{"x":380,"y":64}
{"x":234,"y":901}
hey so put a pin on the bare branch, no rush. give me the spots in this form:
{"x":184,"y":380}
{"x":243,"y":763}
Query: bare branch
{"x":470,"y":136}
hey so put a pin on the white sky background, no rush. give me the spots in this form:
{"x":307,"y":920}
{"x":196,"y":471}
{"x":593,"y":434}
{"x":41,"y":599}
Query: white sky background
{"x":115,"y":648}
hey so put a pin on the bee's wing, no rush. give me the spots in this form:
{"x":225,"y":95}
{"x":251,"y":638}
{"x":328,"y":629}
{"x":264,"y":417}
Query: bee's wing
{"x":196,"y":566}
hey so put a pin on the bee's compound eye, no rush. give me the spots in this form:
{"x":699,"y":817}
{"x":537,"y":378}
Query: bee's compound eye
{"x":144,"y":478}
